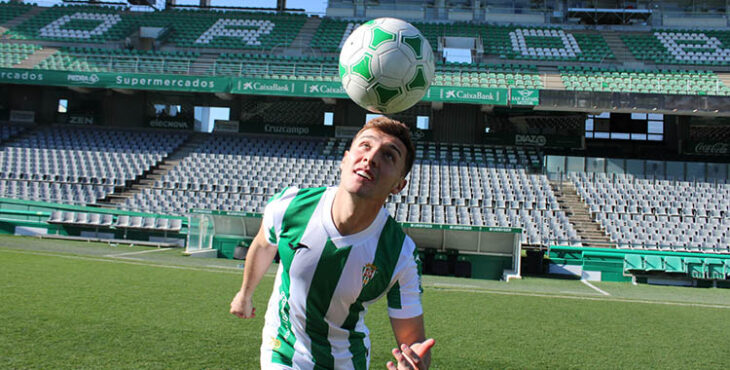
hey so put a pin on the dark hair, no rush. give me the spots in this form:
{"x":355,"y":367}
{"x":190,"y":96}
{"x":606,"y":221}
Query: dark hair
{"x":396,"y":129}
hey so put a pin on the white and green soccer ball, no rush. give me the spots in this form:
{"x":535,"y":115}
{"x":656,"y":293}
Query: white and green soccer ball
{"x":386,"y":65}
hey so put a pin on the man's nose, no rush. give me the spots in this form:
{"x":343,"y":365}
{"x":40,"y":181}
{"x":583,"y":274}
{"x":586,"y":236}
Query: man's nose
{"x":370,"y":156}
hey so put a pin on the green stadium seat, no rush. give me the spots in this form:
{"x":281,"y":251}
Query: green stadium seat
{"x":673,"y":47}
{"x":674,"y":264}
{"x":633,"y":262}
{"x":715,"y":268}
{"x":653,"y":262}
{"x":695,"y":267}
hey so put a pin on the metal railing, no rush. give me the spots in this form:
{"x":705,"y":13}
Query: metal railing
{"x":302,"y":68}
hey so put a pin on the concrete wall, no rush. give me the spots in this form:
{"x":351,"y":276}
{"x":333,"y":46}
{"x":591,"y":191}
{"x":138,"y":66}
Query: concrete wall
{"x":694,"y":22}
{"x":460,"y":15}
{"x":377,"y":12}
{"x":340,"y":12}
{"x":514,"y":18}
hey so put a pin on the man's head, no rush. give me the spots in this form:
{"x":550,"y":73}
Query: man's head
{"x":396,"y":129}
{"x":380,"y":157}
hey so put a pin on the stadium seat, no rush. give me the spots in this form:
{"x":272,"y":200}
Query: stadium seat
{"x":56,"y":217}
{"x":633,"y":262}
{"x":696,"y":267}
{"x":660,"y":82}
{"x":642,"y":211}
{"x":72,"y":165}
{"x":674,"y":264}
{"x":653,"y":262}
{"x":122,"y":221}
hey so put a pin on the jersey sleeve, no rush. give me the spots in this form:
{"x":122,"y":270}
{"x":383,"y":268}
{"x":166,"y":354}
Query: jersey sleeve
{"x":274,"y":213}
{"x":404,"y":297}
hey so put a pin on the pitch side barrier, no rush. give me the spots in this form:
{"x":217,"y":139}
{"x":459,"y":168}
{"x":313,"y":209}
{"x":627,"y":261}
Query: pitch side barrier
{"x":641,"y":265}
{"x":493,"y":252}
{"x":45,"y":219}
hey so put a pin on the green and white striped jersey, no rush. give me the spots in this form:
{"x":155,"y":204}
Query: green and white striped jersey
{"x":326,"y":281}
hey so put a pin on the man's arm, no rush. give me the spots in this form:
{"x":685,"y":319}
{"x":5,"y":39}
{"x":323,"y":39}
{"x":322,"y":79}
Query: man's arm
{"x":258,"y":259}
{"x":413,"y":349}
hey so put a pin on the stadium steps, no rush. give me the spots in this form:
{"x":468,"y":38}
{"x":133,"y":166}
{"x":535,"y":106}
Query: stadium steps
{"x":35,"y":58}
{"x":619,"y":49}
{"x":551,"y":78}
{"x":305,"y":36}
{"x":195,"y":141}
{"x":18,"y":20}
{"x":724,"y":77}
{"x":204,"y":64}
{"x":149,"y":177}
{"x":589,"y":231}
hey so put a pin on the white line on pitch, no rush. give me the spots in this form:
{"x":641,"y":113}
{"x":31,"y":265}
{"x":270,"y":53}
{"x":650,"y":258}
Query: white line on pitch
{"x":586,"y":298}
{"x":442,"y":287}
{"x":138,"y":252}
{"x":599,"y":290}
{"x":123,"y":260}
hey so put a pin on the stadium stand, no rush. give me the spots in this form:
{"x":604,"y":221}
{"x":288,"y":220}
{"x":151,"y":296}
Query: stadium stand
{"x":545,"y":44}
{"x":325,"y":69}
{"x":580,"y":78}
{"x":106,"y":220}
{"x":331,"y":33}
{"x":487,"y":75}
{"x":79,"y":165}
{"x":684,"y":47}
{"x":658,"y":213}
{"x":77,"y":23}
{"x":282,"y":67}
{"x":95,"y":24}
{"x":231,"y":172}
{"x":118,"y":60}
{"x":231,"y":30}
{"x":8,"y":131}
{"x":47,"y":191}
{"x":468,"y":185}
{"x":13,"y":10}
{"x":465,"y":184}
{"x":12,"y":54}
{"x":507,"y":42}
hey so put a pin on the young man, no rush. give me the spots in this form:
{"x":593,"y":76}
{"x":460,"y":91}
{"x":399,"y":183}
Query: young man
{"x":340,"y":251}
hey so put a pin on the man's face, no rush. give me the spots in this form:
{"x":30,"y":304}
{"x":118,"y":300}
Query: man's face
{"x":373,"y":167}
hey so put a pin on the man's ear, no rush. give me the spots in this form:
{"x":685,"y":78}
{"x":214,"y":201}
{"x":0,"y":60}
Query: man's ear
{"x":343,"y":158}
{"x":399,"y":186}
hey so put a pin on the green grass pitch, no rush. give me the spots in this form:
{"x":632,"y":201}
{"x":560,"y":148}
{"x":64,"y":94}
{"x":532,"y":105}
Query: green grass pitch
{"x":85,"y":305}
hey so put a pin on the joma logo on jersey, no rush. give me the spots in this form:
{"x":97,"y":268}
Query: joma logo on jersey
{"x":368,"y":271}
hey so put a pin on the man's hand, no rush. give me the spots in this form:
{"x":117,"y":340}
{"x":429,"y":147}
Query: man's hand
{"x":411,"y":357}
{"x":242,"y":306}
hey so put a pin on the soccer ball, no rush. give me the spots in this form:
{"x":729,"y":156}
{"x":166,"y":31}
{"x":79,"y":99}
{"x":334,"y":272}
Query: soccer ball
{"x":386,"y":65}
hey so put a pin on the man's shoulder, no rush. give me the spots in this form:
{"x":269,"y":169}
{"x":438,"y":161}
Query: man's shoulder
{"x":393,"y":232}
{"x":295,"y":202}
{"x":291,"y":192}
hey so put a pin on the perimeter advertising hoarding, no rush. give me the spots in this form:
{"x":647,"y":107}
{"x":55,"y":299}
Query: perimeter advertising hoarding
{"x":235,"y":85}
{"x":135,"y":81}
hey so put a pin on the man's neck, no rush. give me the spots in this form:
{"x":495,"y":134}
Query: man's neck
{"x":352,"y":214}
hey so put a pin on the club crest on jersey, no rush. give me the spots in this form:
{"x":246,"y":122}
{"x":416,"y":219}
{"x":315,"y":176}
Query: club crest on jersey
{"x":368,"y":271}
{"x":274,"y":343}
